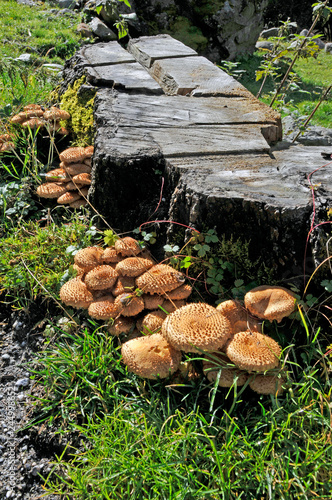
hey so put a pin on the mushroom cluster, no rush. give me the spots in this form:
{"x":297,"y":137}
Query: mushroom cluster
{"x":6,"y":143}
{"x":69,"y":183}
{"x":34,"y":116}
{"x":122,"y":285}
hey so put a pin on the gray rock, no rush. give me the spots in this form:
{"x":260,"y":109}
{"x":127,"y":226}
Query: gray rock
{"x":67,"y":4}
{"x":22,"y":382}
{"x":304,"y":32}
{"x":100,"y":30}
{"x":328,"y":47}
{"x":84,"y":29}
{"x":269,"y":32}
{"x":26,"y":58}
{"x":264,"y":45}
{"x":312,"y":136}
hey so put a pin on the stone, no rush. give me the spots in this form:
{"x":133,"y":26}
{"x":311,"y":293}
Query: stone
{"x":26,"y":58}
{"x":269,"y":32}
{"x":265,"y":45}
{"x":84,"y":29}
{"x":67,"y":4}
{"x":328,"y":47}
{"x":100,"y":30}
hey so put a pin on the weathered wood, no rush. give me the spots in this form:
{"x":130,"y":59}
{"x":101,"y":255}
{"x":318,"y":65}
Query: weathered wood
{"x":105,"y":54}
{"x":183,"y":75}
{"x":147,"y":49}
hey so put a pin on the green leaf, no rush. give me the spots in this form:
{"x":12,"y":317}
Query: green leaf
{"x":238,"y":283}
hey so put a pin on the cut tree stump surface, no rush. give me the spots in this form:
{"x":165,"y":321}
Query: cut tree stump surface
{"x":177,"y":134}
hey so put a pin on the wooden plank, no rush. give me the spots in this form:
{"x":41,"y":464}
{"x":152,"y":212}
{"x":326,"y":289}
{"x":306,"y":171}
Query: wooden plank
{"x":131,"y":76}
{"x":101,"y":54}
{"x":183,"y":75}
{"x":180,"y":111}
{"x":148,"y":49}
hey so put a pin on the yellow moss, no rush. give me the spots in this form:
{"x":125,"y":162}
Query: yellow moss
{"x":80,"y":108}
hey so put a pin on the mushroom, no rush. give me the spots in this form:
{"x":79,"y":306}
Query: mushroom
{"x":34,"y":123}
{"x":73,"y":155}
{"x":129,"y":304}
{"x":180,"y":293}
{"x":74,"y":169}
{"x":196,"y":326}
{"x":120,"y":325}
{"x":56,"y":175}
{"x":89,"y":257}
{"x":238,"y":316}
{"x":84,"y":179}
{"x":150,"y":357}
{"x":267,"y":384}
{"x":133,"y":266}
{"x":124,"y":284}
{"x":159,"y":279}
{"x":219,"y":362}
{"x":253,"y":351}
{"x":127,"y":247}
{"x":101,"y":277}
{"x":68,"y":197}
{"x":103,"y":308}
{"x":51,"y":190}
{"x":110,"y":255}
{"x":270,"y":302}
{"x":171,"y":305}
{"x":56,"y":114}
{"x":76,"y":294}
{"x":78,"y":203}
{"x":152,"y":301}
{"x":89,"y":151}
{"x":32,"y":106}
{"x":151,"y":323}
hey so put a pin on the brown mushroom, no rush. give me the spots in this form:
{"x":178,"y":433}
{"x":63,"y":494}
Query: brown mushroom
{"x":270,"y":302}
{"x":103,"y":308}
{"x":120,"y":325}
{"x":34,"y":123}
{"x":75,"y":168}
{"x":101,"y":277}
{"x":89,"y":151}
{"x":5,"y":138}
{"x":152,"y":301}
{"x":267,"y":384}
{"x":239,"y":317}
{"x":196,"y":326}
{"x":253,"y":351}
{"x":32,"y":106}
{"x":51,"y":189}
{"x":89,"y":257}
{"x":76,"y":294}
{"x":71,"y":186}
{"x":127,"y":247}
{"x":129,"y":304}
{"x":87,"y":162}
{"x":81,"y":202}
{"x":56,"y":114}
{"x":124,"y":284}
{"x":180,"y":293}
{"x":83,"y":179}
{"x":172,"y":305}
{"x":72,"y":155}
{"x":218,"y":362}
{"x":159,"y":279}
{"x":150,"y":357}
{"x":68,"y":197}
{"x":110,"y":255}
{"x":151,"y":323}
{"x":57,"y":175}
{"x":133,"y":266}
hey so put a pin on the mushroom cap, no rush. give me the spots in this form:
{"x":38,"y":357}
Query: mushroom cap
{"x":89,"y":151}
{"x":267,"y":384}
{"x":253,"y":351}
{"x":74,"y":169}
{"x":270,"y":302}
{"x":150,"y":356}
{"x":81,"y":202}
{"x":120,"y":325}
{"x":124,"y":284}
{"x":34,"y":123}
{"x":56,"y":114}
{"x":88,"y":162}
{"x":80,"y":271}
{"x":171,"y":305}
{"x":212,"y":366}
{"x":103,"y":308}
{"x":152,"y":301}
{"x":84,"y":179}
{"x":101,"y":277}
{"x":32,"y":106}
{"x":129,"y":304}
{"x":57,"y":175}
{"x":72,"y":155}
{"x":68,"y":197}
{"x":51,"y":189}
{"x":63,"y":131}
{"x":238,"y":316}
{"x":71,"y":186}
{"x":76,"y":294}
{"x":133,"y":266}
{"x":32,"y":113}
{"x":180,"y":293}
{"x":110,"y":255}
{"x":196,"y":326}
{"x":19,"y":118}
{"x":5,"y":138}
{"x":151,"y":323}
{"x":7,"y":146}
{"x":84,"y":191}
{"x":127,"y":247}
{"x":89,"y":257}
{"x":159,"y":279}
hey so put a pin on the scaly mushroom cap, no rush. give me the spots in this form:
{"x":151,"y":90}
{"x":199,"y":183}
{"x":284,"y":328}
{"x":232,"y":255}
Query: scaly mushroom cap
{"x":78,"y":203}
{"x":110,"y":255}
{"x":89,"y":257}
{"x":72,"y":155}
{"x":127,"y":247}
{"x":63,"y":131}
{"x":172,"y":305}
{"x":129,"y":304}
{"x":103,"y":308}
{"x":34,"y":123}
{"x":32,"y":106}
{"x":68,"y":197}
{"x":52,"y":126}
{"x":56,"y":114}
{"x":89,"y":151}
{"x":239,"y":317}
{"x":75,"y":168}
{"x":7,"y":146}
{"x":80,"y":271}
{"x":121,"y":325}
{"x":101,"y":277}
{"x":253,"y":351}
{"x":19,"y":118}
{"x":159,"y":279}
{"x":71,"y":186}
{"x":75,"y":293}
{"x":124,"y":284}
{"x":84,"y":179}
{"x":32,"y":113}
{"x":84,"y":191}
{"x":5,"y":138}
{"x":88,"y":162}
{"x":152,"y":301}
{"x":151,"y":323}
{"x":267,"y":384}
{"x":196,"y":326}
{"x":270,"y":302}
{"x":133,"y":266}
{"x":150,"y":357}
{"x":182,"y":292}
{"x":51,"y":189}
{"x":57,"y":175}
{"x":212,"y":366}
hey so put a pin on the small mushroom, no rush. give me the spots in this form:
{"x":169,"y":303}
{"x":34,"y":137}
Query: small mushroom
{"x":133,"y":266}
{"x":81,"y":202}
{"x":270,"y":302}
{"x":127,"y":247}
{"x":196,"y":326}
{"x":152,"y":322}
{"x":103,"y":308}
{"x":267,"y":384}
{"x":253,"y":351}
{"x":239,"y":317}
{"x":182,"y":292}
{"x":120,"y":325}
{"x":129,"y":304}
{"x":74,"y":169}
{"x":72,"y":155}
{"x":76,"y":294}
{"x":57,"y":175}
{"x":34,"y":123}
{"x":218,"y":362}
{"x":101,"y":277}
{"x":159,"y":279}
{"x":56,"y":114}
{"x":89,"y":257}
{"x":89,"y":151}
{"x":83,"y":179}
{"x":152,"y":301}
{"x":150,"y":357}
{"x":172,"y":305}
{"x":68,"y":197}
{"x":110,"y":255}
{"x":124,"y":284}
{"x":51,"y":189}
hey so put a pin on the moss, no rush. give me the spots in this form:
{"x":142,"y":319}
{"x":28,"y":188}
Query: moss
{"x":80,"y":106}
{"x":182,"y":29}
